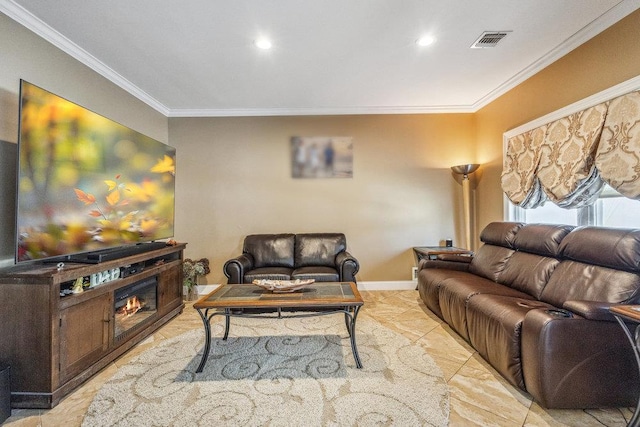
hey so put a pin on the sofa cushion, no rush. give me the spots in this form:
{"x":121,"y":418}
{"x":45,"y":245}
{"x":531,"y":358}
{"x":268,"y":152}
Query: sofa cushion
{"x":541,"y":239}
{"x":494,"y":326}
{"x":528,"y":272}
{"x":270,"y":250}
{"x":318,"y":248}
{"x":489,"y":261}
{"x":318,"y":273}
{"x":608,"y":247}
{"x":498,"y":238}
{"x":268,"y":273}
{"x":500,"y":233}
{"x":429,"y":282}
{"x":598,"y":264}
{"x":573,"y":280}
{"x":455,"y":293}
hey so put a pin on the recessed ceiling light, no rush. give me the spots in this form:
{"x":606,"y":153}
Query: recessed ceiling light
{"x":425,"y":40}
{"x":263,"y":44}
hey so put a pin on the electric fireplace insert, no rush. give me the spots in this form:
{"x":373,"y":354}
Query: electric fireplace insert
{"x":134,"y":305}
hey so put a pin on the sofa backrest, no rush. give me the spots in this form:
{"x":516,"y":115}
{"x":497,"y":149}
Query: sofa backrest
{"x":490,"y":259}
{"x":270,"y":250}
{"x":537,"y":249}
{"x":319,"y":249}
{"x":597,"y":264}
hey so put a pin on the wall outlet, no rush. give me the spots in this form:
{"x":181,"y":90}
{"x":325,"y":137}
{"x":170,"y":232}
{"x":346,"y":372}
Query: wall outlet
{"x":414,"y":274}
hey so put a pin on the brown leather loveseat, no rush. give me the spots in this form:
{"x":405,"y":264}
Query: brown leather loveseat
{"x":533,"y":301}
{"x":319,"y":256}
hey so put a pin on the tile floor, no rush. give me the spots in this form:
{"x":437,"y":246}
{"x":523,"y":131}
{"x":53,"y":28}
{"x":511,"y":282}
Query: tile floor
{"x":479,"y":395}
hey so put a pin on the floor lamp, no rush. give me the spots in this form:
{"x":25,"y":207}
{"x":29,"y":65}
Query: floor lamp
{"x":465,"y":170}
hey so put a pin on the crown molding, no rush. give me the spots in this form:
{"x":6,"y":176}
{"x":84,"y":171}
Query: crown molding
{"x":37,"y":26}
{"x":320,"y":111}
{"x":40,"y":28}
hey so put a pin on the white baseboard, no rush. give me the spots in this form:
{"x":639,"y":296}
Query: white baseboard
{"x":401,"y":285}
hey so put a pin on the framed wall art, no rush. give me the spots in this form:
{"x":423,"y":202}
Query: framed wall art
{"x":322,"y":157}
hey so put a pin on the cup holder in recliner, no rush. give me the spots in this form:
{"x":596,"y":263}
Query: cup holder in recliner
{"x":558,"y":312}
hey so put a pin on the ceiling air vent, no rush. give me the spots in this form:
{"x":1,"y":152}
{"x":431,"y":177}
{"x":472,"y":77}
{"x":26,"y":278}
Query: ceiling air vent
{"x":489,"y":39}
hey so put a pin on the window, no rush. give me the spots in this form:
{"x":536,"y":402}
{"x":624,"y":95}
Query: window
{"x":610,"y":210}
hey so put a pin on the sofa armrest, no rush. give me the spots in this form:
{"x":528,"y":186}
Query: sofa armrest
{"x":236,"y":267}
{"x":562,"y":357}
{"x":592,"y":310}
{"x":449,"y":262}
{"x":466,"y":259}
{"x":347,"y":266}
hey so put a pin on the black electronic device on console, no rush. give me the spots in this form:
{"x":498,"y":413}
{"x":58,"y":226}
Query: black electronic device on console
{"x":115,"y":253}
{"x":131,"y":269}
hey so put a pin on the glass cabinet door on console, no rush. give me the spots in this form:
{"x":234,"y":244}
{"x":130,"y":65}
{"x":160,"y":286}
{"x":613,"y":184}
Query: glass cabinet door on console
{"x":84,"y":334}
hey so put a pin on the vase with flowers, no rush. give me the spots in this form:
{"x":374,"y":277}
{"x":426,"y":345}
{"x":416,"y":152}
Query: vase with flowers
{"x":192,"y":270}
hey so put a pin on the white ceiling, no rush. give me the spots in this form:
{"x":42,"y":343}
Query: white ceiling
{"x":197,"y":57}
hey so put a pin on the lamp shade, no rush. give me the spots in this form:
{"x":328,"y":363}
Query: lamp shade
{"x":465,"y":169}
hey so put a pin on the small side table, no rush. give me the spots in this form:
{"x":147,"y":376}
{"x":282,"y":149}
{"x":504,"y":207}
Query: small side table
{"x":630,"y":313}
{"x":432,"y":252}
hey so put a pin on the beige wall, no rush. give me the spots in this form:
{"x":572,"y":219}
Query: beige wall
{"x":604,"y":61}
{"x":234,"y":178}
{"x":24,"y":55}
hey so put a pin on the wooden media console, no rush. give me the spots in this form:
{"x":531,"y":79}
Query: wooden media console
{"x":55,"y":340}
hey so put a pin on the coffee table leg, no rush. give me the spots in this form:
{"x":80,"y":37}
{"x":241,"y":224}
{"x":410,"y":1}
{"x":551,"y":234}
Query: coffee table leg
{"x":347,"y":319}
{"x":207,"y":339}
{"x":227,"y":323}
{"x":352,"y":334}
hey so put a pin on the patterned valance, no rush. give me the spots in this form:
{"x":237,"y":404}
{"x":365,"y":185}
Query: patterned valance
{"x":519,"y":180}
{"x":569,"y":160}
{"x":618,"y":158}
{"x":566,"y":170}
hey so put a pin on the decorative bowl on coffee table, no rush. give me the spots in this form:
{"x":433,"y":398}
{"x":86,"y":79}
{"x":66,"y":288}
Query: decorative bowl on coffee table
{"x":283,"y":286}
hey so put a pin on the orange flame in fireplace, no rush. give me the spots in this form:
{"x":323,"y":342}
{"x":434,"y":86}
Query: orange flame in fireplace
{"x":132,"y":307}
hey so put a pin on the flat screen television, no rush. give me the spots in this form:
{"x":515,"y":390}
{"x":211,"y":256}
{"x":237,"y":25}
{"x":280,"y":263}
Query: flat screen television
{"x":87,"y":184}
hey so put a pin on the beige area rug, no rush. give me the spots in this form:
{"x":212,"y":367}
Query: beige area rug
{"x":278,"y":372}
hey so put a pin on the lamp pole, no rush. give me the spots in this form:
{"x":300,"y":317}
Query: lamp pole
{"x":465,"y":170}
{"x":466,"y":207}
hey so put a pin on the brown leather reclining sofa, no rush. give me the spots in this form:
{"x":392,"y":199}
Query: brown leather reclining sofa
{"x":319,"y":256}
{"x":533,"y":301}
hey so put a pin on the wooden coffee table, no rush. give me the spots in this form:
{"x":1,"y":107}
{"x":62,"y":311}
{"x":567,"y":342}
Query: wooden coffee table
{"x":317,"y":299}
